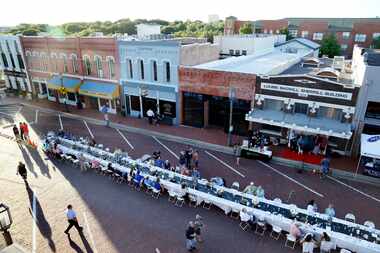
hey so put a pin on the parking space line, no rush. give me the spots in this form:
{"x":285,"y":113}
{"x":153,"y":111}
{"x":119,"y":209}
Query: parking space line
{"x":292,"y":179}
{"x":225,"y":164}
{"x":89,"y":232}
{"x":89,"y":130}
{"x":34,"y":214}
{"x":354,"y":189}
{"x":36,"y":117}
{"x":168,"y":149}
{"x":60,"y":122}
{"x":125,"y":138}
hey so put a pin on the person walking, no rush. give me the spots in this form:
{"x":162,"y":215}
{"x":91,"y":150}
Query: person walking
{"x":21,"y":126}
{"x":82,"y":163}
{"x":72,"y":219}
{"x":26,"y":131}
{"x":104,"y":110}
{"x":150,"y":115}
{"x":325,"y":167}
{"x":190,"y":237}
{"x":198,"y":224}
{"x":16,"y":132}
{"x":21,"y":170}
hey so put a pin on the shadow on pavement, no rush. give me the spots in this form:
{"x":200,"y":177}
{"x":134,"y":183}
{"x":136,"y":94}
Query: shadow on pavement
{"x":41,"y":221}
{"x":28,"y":161}
{"x":39,"y":161}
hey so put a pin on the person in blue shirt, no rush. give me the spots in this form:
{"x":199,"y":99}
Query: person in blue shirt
{"x":325,"y":167}
{"x":138,"y":178}
{"x":196,"y":173}
{"x":330,"y":211}
{"x":157,"y":185}
{"x":159,"y":163}
{"x":167,"y":165}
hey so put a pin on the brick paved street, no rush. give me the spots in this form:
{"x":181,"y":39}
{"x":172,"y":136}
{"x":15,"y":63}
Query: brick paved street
{"x":119,"y":219}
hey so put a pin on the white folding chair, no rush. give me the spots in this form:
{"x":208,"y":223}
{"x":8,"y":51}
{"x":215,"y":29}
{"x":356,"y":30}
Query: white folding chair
{"x":206,"y":204}
{"x":369,"y":224}
{"x":244,"y":225}
{"x":350,"y":217}
{"x":179,"y":201}
{"x":192,"y":200}
{"x":235,"y":213}
{"x":172,"y":196}
{"x":275,"y":233}
{"x":345,"y":251}
{"x":290,"y":241}
{"x":277,"y":200}
{"x":261,"y":226}
{"x":156,"y":193}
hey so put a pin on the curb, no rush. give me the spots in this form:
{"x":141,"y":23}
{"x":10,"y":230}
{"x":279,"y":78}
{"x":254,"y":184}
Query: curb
{"x":339,"y":174}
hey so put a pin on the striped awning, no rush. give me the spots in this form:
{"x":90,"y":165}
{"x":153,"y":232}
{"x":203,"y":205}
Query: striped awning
{"x":99,"y":89}
{"x":70,"y":83}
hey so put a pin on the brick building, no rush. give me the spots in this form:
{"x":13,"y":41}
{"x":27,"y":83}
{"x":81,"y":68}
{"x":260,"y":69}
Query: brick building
{"x":348,"y":31}
{"x":204,"y":96}
{"x":86,"y":67}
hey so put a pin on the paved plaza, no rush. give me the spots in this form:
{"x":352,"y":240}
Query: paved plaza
{"x":117,"y":218}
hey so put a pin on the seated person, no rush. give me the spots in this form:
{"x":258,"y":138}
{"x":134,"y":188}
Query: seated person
{"x":137,"y":179}
{"x":109,"y":167}
{"x":312,"y":206}
{"x":250,"y":189}
{"x":294,"y":230}
{"x":246,"y":217}
{"x":159,"y":163}
{"x":326,"y":243}
{"x":167,"y":165}
{"x":157,"y":185}
{"x":330,"y":211}
{"x":195,"y":173}
{"x":95,"y":164}
{"x":308,"y":244}
{"x":260,"y":192}
{"x":148,"y":182}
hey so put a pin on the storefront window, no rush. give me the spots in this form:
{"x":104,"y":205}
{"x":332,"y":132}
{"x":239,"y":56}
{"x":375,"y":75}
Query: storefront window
{"x":51,"y":92}
{"x":300,"y":108}
{"x":135,"y":103}
{"x":71,"y":96}
{"x":274,"y":105}
{"x":43,"y":88}
{"x":193,"y":109}
{"x":329,"y":113}
{"x":373,"y":110}
{"x":218,"y":111}
{"x":167,"y":109}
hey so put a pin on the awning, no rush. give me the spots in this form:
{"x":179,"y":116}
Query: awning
{"x":70,"y":83}
{"x":370,"y":146}
{"x":301,"y":122}
{"x":99,"y":89}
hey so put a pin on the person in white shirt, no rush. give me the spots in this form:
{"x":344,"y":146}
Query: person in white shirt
{"x":150,"y":115}
{"x":326,"y":243}
{"x":308,"y":244}
{"x":330,"y":211}
{"x":312,"y":206}
{"x":72,"y":219}
{"x":246,"y":217}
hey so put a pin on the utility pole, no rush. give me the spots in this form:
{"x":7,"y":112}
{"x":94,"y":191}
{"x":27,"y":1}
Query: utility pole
{"x":231,"y":95}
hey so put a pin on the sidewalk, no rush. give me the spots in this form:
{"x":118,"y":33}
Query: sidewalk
{"x":208,"y":135}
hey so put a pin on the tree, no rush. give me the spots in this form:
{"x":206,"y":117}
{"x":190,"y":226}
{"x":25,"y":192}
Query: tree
{"x":330,"y":46}
{"x":246,"y":29}
{"x":376,"y":43}
{"x":285,"y":31}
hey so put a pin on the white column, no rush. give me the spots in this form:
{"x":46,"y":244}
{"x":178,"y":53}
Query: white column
{"x":158,"y":102}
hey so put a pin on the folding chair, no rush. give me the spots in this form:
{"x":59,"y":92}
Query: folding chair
{"x":192,"y":201}
{"x":275,"y":233}
{"x":244,"y":225}
{"x":292,"y":240}
{"x":156,"y":193}
{"x":172,"y":197}
{"x":179,"y":201}
{"x":207,"y":204}
{"x":260,"y":227}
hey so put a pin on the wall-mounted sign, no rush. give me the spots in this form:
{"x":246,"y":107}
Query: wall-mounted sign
{"x":304,"y":92}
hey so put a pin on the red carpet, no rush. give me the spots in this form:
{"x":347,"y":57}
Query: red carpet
{"x":307,"y":158}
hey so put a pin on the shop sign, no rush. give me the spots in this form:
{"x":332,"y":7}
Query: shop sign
{"x":304,"y":92}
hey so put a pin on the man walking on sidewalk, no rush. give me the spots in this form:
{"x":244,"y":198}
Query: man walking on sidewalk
{"x":72,"y":219}
{"x":104,"y":110}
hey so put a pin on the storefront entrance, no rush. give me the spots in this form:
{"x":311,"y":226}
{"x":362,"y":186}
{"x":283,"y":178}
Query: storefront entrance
{"x":193,"y":109}
{"x":149,"y":103}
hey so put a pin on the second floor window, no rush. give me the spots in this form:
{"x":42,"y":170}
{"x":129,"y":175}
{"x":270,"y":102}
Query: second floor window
{"x":346,"y":35}
{"x":154,"y":66}
{"x":74,"y":63}
{"x":99,"y":66}
{"x":360,"y":37}
{"x":141,"y":66}
{"x":65,"y":67}
{"x":305,"y":34}
{"x":20,"y":61}
{"x":167,"y":72}
{"x":111,"y":67}
{"x":87,"y":65}
{"x":130,"y":68}
{"x":5,"y":61}
{"x":317,"y":36}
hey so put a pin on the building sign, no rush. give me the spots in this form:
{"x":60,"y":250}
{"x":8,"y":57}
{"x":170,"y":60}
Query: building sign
{"x":14,"y":73}
{"x":304,"y":92}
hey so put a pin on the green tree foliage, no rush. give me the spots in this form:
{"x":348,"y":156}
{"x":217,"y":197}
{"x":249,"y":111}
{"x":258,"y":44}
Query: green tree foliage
{"x":376,"y":43}
{"x":330,"y":46}
{"x":246,"y":29}
{"x":29,"y":29}
{"x":286,"y":32}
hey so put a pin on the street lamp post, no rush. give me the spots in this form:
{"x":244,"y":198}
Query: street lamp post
{"x":231,"y":95}
{"x":5,"y":223}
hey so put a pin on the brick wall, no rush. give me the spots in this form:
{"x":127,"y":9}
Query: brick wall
{"x":274,"y":25}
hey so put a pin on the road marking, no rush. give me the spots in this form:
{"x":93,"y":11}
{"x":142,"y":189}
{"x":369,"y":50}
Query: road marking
{"x":60,"y":122}
{"x":168,"y":149}
{"x":292,"y":179}
{"x":125,"y":138}
{"x":89,"y":130}
{"x":34,"y":213}
{"x":225,"y":164}
{"x":89,"y":232}
{"x":157,"y":250}
{"x":36,"y":118}
{"x":354,"y":189}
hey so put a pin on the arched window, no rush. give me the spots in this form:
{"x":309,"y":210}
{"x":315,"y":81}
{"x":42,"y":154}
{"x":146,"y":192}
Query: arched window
{"x":65,"y":66}
{"x":87,"y":65}
{"x":54,"y":62}
{"x":130,"y":68}
{"x":141,"y":68}
{"x":74,"y":63}
{"x":111,"y":66}
{"x":167,"y":71}
{"x":99,"y":66}
{"x":44,"y":61}
{"x":36,"y":61}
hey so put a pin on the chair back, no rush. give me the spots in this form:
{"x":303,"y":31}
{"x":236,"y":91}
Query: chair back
{"x":350,"y":217}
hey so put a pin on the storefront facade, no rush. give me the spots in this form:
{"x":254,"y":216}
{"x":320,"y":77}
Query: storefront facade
{"x":307,"y":105}
{"x":205,"y":97}
{"x":149,"y":75}
{"x":12,"y":63}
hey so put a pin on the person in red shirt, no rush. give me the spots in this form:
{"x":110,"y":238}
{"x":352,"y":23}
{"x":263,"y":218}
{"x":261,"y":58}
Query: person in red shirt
{"x":26,"y":131}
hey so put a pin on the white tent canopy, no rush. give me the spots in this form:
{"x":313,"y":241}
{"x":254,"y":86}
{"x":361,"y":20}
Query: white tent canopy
{"x":370,"y":146}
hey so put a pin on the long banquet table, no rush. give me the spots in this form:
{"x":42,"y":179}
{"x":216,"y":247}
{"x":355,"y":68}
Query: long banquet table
{"x":344,"y":234}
